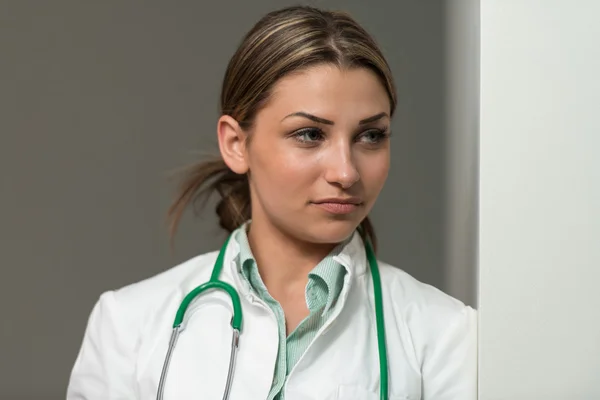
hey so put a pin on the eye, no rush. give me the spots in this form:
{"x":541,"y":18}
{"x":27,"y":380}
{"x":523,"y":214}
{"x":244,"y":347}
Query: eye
{"x":308,"y":135}
{"x":373,"y":136}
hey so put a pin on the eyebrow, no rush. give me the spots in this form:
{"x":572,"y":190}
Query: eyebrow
{"x":328,"y":122}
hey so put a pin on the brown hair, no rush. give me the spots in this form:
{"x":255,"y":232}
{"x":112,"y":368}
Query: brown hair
{"x":282,"y":42}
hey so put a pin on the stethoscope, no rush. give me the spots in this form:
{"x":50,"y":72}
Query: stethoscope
{"x":236,"y":321}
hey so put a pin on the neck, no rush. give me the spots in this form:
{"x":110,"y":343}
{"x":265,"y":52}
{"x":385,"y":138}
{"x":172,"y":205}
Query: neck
{"x":283,"y":261}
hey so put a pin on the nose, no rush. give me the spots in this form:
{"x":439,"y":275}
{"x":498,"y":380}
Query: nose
{"x":340,"y":167}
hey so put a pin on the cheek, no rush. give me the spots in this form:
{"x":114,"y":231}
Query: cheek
{"x":374,"y":170}
{"x":282,"y":172}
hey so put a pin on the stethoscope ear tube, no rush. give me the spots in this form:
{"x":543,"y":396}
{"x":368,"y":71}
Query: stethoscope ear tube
{"x":165,"y":369}
{"x":235,"y":343}
{"x":236,"y":322}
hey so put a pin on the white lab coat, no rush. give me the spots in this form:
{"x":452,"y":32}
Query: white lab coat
{"x":431,"y":340}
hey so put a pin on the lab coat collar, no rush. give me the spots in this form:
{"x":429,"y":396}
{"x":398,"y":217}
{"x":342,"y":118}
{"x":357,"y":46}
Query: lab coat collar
{"x":352,"y":257}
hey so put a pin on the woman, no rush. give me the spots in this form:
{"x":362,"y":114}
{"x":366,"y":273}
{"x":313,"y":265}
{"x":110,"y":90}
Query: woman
{"x":304,"y":139}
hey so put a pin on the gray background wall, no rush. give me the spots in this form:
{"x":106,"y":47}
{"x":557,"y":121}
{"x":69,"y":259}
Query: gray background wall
{"x":100,"y":100}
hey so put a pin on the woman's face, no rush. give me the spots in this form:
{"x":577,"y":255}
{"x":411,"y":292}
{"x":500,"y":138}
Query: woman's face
{"x":319,"y":153}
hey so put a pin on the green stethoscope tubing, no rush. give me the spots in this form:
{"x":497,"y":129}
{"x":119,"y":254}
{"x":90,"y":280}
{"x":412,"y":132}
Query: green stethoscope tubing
{"x":236,"y":321}
{"x":214,"y":283}
{"x":381,"y":341}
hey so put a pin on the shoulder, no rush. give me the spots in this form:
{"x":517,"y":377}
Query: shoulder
{"x":440,"y":330}
{"x":136,"y":303}
{"x":115,"y":324}
{"x":157,"y":288}
{"x":411,"y":292}
{"x":425,"y":310}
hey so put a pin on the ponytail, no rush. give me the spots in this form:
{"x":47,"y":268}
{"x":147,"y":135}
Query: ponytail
{"x":204,"y":178}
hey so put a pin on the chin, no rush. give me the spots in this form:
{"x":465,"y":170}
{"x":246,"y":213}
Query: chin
{"x":331,"y":231}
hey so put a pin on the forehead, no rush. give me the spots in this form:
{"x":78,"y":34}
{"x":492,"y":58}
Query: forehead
{"x":329,"y":91}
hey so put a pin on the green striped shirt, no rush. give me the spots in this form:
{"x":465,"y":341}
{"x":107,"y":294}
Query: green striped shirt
{"x":324,"y":285}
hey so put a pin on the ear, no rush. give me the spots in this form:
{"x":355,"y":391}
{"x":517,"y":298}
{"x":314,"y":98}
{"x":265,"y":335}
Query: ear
{"x":232,"y":144}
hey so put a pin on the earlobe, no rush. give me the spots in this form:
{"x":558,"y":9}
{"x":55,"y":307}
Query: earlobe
{"x":232,"y":144}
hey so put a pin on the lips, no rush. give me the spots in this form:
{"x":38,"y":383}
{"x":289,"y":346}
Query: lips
{"x":339,"y":206}
{"x":340,"y":200}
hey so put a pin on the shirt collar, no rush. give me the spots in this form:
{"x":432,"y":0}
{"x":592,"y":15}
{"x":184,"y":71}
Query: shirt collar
{"x":330,"y":271}
{"x":352,"y":255}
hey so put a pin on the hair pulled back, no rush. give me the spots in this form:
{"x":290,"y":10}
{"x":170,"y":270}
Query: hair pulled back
{"x":282,"y":42}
